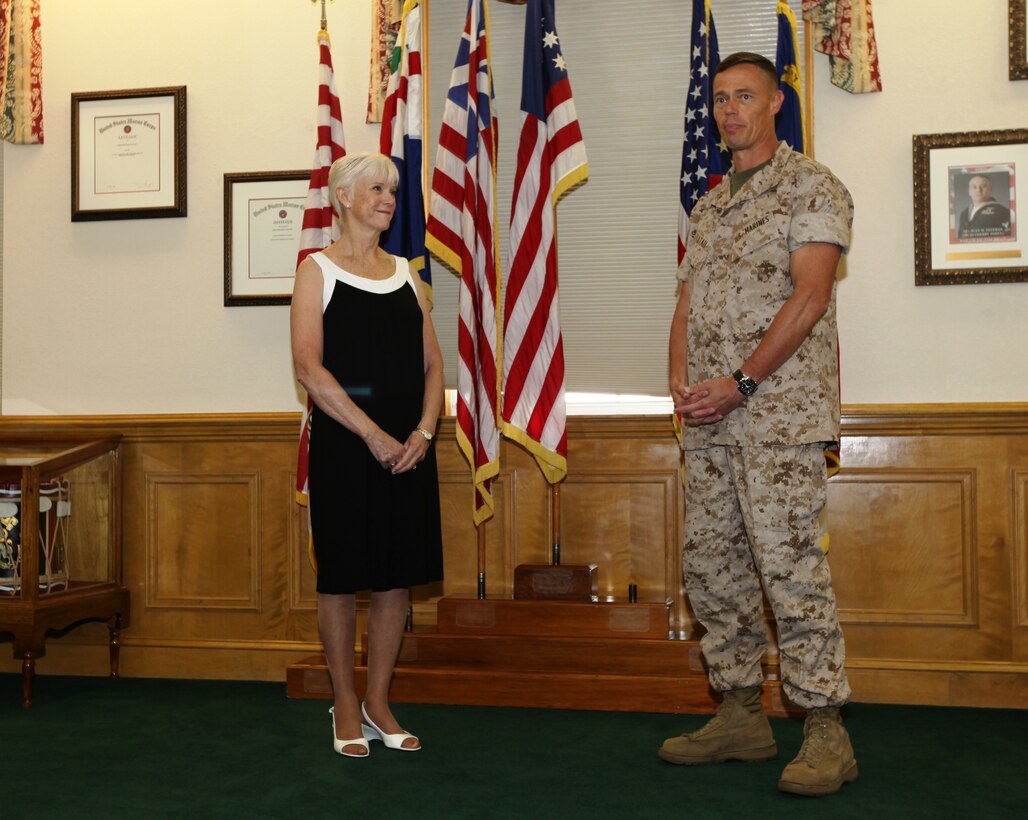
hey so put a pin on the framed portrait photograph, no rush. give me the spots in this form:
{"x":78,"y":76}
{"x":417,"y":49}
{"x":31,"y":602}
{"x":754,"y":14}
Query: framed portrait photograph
{"x":1018,"y":52}
{"x":263,"y":221}
{"x":128,"y":154}
{"x":967,"y":210}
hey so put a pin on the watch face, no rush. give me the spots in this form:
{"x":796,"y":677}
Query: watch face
{"x":746,"y":385}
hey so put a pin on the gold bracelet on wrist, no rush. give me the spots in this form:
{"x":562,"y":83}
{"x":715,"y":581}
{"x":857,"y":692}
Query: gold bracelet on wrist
{"x":428,"y":436}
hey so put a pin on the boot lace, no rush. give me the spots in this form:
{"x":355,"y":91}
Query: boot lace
{"x":815,"y":741}
{"x":715,"y":722}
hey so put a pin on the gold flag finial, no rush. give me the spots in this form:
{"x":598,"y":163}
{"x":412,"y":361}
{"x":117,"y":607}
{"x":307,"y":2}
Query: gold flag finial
{"x":324,"y":18}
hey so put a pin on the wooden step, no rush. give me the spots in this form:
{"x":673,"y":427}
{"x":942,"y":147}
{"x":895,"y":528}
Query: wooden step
{"x":574,"y":619}
{"x":688,"y":694}
{"x":596,"y":656}
{"x":559,"y":673}
{"x":543,"y":690}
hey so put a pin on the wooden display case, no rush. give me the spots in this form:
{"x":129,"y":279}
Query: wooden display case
{"x":60,"y":542}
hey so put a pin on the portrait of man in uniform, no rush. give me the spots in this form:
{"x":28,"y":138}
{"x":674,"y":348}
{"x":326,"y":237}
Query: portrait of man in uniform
{"x":981,"y":201}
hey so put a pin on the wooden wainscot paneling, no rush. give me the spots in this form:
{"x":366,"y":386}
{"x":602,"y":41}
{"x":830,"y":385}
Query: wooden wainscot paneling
{"x":1019,"y":494}
{"x":625,"y":522}
{"x":460,"y":538}
{"x":924,"y":550}
{"x":915,"y":574}
{"x":202,"y":541}
{"x":929,"y":550}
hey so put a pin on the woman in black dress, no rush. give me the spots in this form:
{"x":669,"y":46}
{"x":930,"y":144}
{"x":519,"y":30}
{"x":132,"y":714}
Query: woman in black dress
{"x":365,"y":351}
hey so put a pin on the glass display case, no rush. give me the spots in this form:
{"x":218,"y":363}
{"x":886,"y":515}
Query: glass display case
{"x":60,"y":543}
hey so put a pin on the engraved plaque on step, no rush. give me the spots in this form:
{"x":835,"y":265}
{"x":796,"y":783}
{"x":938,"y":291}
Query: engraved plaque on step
{"x":566,"y":582}
{"x":479,"y":613}
{"x":628,"y":619}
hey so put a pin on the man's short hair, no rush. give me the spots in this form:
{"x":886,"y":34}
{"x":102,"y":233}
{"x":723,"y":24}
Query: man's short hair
{"x":749,"y":58}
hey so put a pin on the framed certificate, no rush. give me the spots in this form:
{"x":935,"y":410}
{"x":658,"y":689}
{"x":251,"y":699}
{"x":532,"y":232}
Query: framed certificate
{"x":966,"y":208}
{"x":263,"y":221}
{"x":128,"y":154}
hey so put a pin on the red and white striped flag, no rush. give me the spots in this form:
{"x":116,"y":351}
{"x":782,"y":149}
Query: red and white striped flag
{"x":461,"y":231}
{"x":319,"y":230}
{"x":551,"y":161}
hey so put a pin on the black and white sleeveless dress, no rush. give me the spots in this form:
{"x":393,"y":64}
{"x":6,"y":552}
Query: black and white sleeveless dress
{"x":372,"y":529}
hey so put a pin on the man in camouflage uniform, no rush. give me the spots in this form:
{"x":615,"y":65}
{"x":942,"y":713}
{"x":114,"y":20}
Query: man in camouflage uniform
{"x":753,"y":371}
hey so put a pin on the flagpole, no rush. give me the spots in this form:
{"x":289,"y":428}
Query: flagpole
{"x":555,"y":518}
{"x":425,"y":91}
{"x":480,"y":529}
{"x":808,"y":88}
{"x":324,"y":17}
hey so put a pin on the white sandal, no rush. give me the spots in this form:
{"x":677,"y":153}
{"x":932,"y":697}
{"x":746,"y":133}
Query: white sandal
{"x":338,"y":744}
{"x":394,"y":741}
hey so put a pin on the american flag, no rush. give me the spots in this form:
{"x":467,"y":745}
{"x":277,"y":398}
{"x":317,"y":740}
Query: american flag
{"x":318,"y":229}
{"x":462,"y":232}
{"x":551,"y":161}
{"x":401,"y":139}
{"x":703,"y":165}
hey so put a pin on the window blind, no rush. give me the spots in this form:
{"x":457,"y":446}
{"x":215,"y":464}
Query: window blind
{"x":629,"y":71}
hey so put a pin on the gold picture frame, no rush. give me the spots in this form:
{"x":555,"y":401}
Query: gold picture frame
{"x":263,"y":223}
{"x":966,"y":208}
{"x":128,"y":154}
{"x":1017,"y":32}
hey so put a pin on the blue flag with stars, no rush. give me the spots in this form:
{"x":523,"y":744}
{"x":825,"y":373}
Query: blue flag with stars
{"x":789,"y":121}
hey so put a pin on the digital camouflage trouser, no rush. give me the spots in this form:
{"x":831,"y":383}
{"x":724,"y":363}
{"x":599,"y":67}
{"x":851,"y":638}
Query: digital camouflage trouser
{"x":756,"y":514}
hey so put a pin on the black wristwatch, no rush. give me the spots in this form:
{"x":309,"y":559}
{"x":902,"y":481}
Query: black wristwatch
{"x":745,"y":384}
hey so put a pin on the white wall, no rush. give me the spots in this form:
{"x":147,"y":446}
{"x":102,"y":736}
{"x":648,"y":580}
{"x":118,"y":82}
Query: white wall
{"x":127,"y":316}
{"x":944,"y":68}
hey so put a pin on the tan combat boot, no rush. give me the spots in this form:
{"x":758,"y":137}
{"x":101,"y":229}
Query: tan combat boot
{"x":739,"y":731}
{"x":825,"y":760}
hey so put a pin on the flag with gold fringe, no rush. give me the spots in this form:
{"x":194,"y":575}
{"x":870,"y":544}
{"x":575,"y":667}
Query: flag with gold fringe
{"x":551,"y":162}
{"x":462,"y":233}
{"x":319,"y":229}
{"x":789,"y":122}
{"x":402,"y":139}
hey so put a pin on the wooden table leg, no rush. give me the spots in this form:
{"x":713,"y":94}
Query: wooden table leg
{"x":28,"y":673}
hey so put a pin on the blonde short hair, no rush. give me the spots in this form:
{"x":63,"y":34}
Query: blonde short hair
{"x":346,"y":171}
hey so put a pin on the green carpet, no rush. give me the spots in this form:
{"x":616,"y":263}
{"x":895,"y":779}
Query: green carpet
{"x":92,"y":747}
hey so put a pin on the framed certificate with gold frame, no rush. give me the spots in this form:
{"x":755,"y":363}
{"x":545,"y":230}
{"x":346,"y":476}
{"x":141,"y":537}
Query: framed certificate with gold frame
{"x":263,"y":223}
{"x":128,"y":154}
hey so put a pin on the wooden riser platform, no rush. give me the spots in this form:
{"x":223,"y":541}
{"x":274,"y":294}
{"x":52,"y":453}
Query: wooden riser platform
{"x":608,"y":656}
{"x":549,"y":673}
{"x":506,"y":616}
